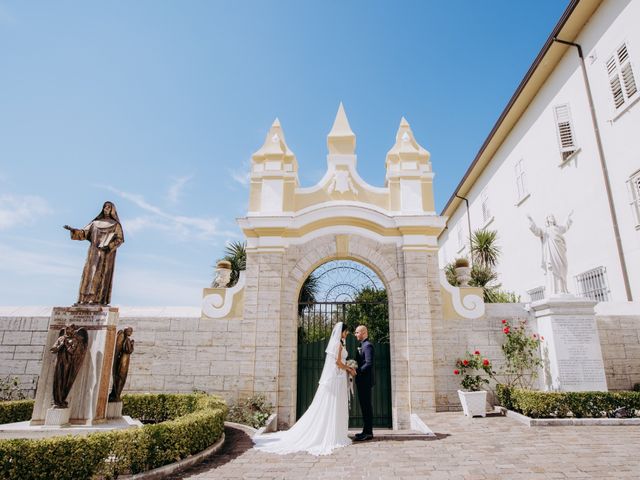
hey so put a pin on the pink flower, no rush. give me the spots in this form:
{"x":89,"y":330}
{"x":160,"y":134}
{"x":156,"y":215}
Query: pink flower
{"x":535,"y":336}
{"x":504,"y":321}
{"x":541,"y":337}
{"x":477,"y":352}
{"x":456,"y":372}
{"x":465,"y":362}
{"x":506,"y":330}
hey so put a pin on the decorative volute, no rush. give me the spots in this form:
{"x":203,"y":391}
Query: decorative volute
{"x":274,"y":174}
{"x":406,"y":153}
{"x":341,"y":140}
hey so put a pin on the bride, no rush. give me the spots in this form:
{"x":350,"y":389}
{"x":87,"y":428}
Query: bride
{"x":324,"y":425}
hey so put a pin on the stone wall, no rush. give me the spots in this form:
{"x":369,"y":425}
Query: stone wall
{"x":23,"y":332}
{"x":619,"y":331}
{"x":177,"y":351}
{"x":458,"y":336}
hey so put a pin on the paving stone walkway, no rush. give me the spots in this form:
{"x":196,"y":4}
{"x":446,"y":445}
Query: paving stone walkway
{"x":481,"y":448}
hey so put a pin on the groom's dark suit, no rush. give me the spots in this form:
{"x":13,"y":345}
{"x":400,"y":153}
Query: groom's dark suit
{"x":365,"y":380}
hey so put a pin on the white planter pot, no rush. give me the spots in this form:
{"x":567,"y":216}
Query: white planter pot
{"x":474,"y":403}
{"x":463,"y":275}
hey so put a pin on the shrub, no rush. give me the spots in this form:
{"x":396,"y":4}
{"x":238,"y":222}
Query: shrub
{"x":571,"y":404}
{"x":192,"y":422}
{"x":10,"y":389}
{"x":16,"y":411}
{"x":636,"y":387}
{"x":253,"y":411}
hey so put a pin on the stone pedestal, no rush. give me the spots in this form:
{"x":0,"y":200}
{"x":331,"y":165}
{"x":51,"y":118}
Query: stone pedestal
{"x":571,"y":350}
{"x":57,"y":417}
{"x":88,"y":397}
{"x":114,"y":410}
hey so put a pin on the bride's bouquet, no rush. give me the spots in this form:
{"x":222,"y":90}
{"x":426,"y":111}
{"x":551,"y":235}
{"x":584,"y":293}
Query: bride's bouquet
{"x":351,"y":364}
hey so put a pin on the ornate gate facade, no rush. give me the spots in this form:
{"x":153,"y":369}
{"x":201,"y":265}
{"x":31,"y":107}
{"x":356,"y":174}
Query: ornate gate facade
{"x":291,"y":230}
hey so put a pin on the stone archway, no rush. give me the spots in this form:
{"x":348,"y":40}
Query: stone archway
{"x":291,"y":230}
{"x":374,"y":255}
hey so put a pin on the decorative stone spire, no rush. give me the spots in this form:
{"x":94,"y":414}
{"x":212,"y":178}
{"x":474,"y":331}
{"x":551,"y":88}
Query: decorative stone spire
{"x":274,"y":174}
{"x":275,"y":146}
{"x":409,"y":175}
{"x":406,"y":148}
{"x":341,"y":140}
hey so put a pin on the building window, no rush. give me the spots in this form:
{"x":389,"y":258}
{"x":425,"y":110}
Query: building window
{"x":621,"y":79}
{"x":566,"y":137}
{"x":521,"y":183}
{"x":593,"y":284}
{"x":460,"y":238}
{"x":634,"y":194}
{"x":536,"y":293}
{"x":486,"y":211}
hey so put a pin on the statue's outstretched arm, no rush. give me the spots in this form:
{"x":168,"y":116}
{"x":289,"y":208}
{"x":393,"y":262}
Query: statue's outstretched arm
{"x":533,"y":227}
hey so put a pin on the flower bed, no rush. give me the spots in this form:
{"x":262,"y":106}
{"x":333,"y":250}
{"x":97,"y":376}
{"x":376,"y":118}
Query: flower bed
{"x":536,"y":404}
{"x":189,"y":423}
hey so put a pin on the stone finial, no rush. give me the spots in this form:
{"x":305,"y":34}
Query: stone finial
{"x":275,"y":146}
{"x":406,"y":147}
{"x":341,"y":140}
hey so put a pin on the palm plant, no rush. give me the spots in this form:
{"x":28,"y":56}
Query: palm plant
{"x":236,"y":253}
{"x":484,"y":249}
{"x":308,"y":292}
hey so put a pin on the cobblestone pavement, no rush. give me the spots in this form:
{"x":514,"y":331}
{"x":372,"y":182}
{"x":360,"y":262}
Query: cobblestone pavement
{"x":481,"y":448}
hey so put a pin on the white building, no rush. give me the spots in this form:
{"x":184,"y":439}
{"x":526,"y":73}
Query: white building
{"x":569,"y":140}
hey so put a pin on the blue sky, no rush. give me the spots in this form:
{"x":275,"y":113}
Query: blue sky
{"x":158,"y":105}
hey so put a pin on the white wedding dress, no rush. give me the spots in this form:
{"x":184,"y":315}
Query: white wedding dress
{"x":324,"y":425}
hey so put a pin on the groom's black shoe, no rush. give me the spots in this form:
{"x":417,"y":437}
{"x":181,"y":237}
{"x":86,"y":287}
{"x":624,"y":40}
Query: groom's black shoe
{"x":359,"y":437}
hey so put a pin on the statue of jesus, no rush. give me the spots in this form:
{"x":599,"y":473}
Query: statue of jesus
{"x":554,"y":253}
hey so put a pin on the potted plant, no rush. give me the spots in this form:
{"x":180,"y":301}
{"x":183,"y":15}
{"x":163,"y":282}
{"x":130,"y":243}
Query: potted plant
{"x":475,"y":372}
{"x":463,"y":271}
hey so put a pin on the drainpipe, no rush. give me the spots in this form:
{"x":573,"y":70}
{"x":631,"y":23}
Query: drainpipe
{"x":605,"y":171}
{"x":469,"y":225}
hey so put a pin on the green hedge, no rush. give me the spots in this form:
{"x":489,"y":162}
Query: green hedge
{"x":536,"y":404}
{"x":192,"y":422}
{"x":15,"y":411}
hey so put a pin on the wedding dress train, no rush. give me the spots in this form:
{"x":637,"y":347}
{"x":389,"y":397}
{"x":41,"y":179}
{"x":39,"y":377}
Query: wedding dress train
{"x":324,"y":425}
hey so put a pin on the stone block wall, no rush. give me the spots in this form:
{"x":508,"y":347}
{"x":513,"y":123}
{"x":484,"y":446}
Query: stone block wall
{"x":619,"y":331}
{"x":23,"y":332}
{"x":177,"y":351}
{"x":454,"y":337}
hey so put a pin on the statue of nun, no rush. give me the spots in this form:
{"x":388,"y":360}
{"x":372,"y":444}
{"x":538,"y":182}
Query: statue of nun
{"x":105,"y":236}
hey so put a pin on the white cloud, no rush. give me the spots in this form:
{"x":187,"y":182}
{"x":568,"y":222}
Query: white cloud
{"x":242,"y":175}
{"x":29,"y":262}
{"x":175,"y":190}
{"x":16,"y":210}
{"x":182,"y":226}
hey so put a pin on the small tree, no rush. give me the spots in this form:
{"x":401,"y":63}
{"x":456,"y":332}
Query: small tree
{"x":372,"y":311}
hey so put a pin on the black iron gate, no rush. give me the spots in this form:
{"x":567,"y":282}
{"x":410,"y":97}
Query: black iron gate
{"x":315,"y":322}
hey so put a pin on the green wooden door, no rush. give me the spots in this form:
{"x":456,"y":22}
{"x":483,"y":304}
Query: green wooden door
{"x":315,"y":322}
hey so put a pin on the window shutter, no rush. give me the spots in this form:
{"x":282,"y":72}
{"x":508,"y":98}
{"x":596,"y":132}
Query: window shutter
{"x":565,"y":130}
{"x":621,"y":78}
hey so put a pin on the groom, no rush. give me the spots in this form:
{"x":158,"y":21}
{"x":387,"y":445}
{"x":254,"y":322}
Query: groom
{"x":365,"y":380}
